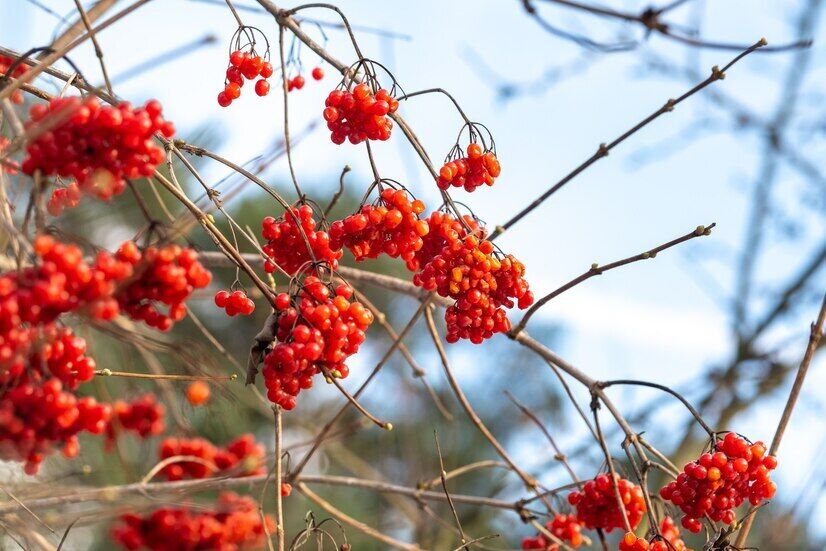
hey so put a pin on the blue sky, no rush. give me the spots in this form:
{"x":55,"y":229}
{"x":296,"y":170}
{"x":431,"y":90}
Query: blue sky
{"x":656,"y":319}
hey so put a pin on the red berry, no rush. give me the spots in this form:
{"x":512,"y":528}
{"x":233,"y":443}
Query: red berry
{"x":317,"y":73}
{"x":262,"y":87}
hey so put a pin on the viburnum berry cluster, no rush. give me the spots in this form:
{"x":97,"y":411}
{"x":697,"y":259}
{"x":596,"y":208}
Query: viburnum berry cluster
{"x":167,"y":275}
{"x":719,"y":482}
{"x":97,"y":146}
{"x":143,"y":416}
{"x":5,"y":64}
{"x":234,"y":303}
{"x":61,"y":354}
{"x":391,"y":227}
{"x":483,"y":284}
{"x":670,"y":541}
{"x":297,"y":82}
{"x":669,"y":530}
{"x":359,"y":115}
{"x":317,"y":329}
{"x":235,"y":524}
{"x":596,"y":503}
{"x":469,"y":171}
{"x":565,"y":527}
{"x":249,"y":66}
{"x":35,"y":419}
{"x":294,"y":242}
{"x":244,"y":456}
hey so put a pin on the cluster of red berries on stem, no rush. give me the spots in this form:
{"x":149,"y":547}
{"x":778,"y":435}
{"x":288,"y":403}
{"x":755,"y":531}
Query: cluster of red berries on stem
{"x":37,"y":418}
{"x":670,"y":541}
{"x":359,"y":115}
{"x":234,"y":303}
{"x":99,"y":147}
{"x":719,"y":482}
{"x":249,"y":66}
{"x":167,"y":275}
{"x":243,"y":457}
{"x":317,"y":329}
{"x":597,"y":507}
{"x":295,"y":241}
{"x":297,"y":82}
{"x":234,"y":525}
{"x":32,"y":299}
{"x":391,"y":227}
{"x":143,"y":416}
{"x":565,"y":527}
{"x":5,"y":64}
{"x":483,"y":284}
{"x":470,"y":171}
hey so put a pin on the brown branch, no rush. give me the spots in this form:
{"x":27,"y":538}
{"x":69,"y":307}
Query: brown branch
{"x":603,"y":149}
{"x":596,"y":269}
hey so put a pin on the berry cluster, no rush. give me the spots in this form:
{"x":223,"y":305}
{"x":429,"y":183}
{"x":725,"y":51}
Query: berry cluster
{"x":596,"y":504}
{"x":243,"y":454}
{"x":392,"y":227}
{"x":234,"y":303}
{"x":5,"y":64}
{"x":233,"y":526}
{"x":166,"y":275}
{"x":197,"y":393}
{"x":317,"y":330}
{"x":298,"y":81}
{"x":245,"y":65}
{"x":63,"y":198}
{"x":476,"y":169}
{"x":669,"y":530}
{"x":481,"y":282}
{"x":99,"y":147}
{"x":63,"y":355}
{"x":718,"y":483}
{"x":288,"y":238}
{"x":35,"y":419}
{"x":443,"y":231}
{"x":359,"y":115}
{"x":144,"y":416}
{"x":564,"y":527}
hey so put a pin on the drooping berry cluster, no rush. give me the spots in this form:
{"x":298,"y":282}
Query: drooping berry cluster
{"x":317,"y":329}
{"x":444,"y":231}
{"x":100,"y":147}
{"x":61,"y":354}
{"x":564,"y":527}
{"x":359,"y":115}
{"x":64,"y":198}
{"x":144,"y":416}
{"x":669,"y":530}
{"x":391,"y":227}
{"x":671,"y":542}
{"x":35,"y":419}
{"x":242,"y":457}
{"x":297,"y":82}
{"x":33,"y":298}
{"x":249,"y":66}
{"x":167,"y":276}
{"x":470,"y":171}
{"x":716,"y":484}
{"x":234,"y":303}
{"x":5,"y":64}
{"x":596,"y":504}
{"x":483,"y":285}
{"x":234,"y":525}
{"x":292,"y":237}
